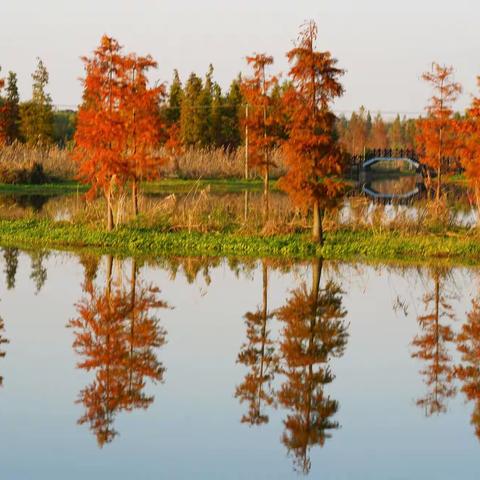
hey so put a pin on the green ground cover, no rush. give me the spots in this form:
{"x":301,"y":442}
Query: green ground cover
{"x":461,"y":247}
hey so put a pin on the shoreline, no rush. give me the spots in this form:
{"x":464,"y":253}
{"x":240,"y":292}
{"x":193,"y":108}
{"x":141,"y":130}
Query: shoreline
{"x":459,"y":247}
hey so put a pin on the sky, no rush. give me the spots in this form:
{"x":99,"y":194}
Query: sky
{"x":384,"y":45}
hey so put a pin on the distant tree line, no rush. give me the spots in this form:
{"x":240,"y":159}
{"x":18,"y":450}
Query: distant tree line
{"x":196,"y":113}
{"x":361,"y":132}
{"x":34,"y":121}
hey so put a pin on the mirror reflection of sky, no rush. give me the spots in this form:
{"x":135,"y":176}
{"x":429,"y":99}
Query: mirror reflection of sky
{"x":192,"y":428}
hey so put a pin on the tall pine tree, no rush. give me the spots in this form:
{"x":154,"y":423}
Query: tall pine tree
{"x":189,"y":113}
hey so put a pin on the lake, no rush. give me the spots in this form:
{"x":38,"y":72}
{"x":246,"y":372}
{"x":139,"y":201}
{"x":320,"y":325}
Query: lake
{"x":234,"y":368}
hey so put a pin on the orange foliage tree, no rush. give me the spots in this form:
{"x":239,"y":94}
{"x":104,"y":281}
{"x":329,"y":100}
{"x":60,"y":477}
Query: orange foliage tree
{"x":314,"y":332}
{"x":468,"y":371}
{"x":140,"y":107}
{"x":116,"y":335}
{"x":260,"y":118}
{"x":379,"y":134}
{"x":99,"y":136}
{"x":311,"y":152}
{"x":117,"y":123}
{"x":432,"y":348}
{"x":436,"y":139}
{"x":258,"y":354}
{"x":469,"y":130}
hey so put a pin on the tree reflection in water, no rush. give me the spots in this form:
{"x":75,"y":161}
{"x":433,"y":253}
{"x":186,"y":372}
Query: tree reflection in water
{"x":10,"y":257}
{"x":314,"y":331}
{"x":39,"y":271}
{"x":3,"y":341}
{"x":468,"y":371}
{"x":431,"y":347}
{"x":259,"y":356}
{"x":116,"y":334}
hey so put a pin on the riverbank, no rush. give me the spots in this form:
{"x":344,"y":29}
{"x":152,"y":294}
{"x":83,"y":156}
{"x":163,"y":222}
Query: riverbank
{"x":461,"y":247}
{"x":166,"y":186}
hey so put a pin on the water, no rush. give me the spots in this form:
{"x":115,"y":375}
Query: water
{"x":374,"y":199}
{"x":154,"y":357}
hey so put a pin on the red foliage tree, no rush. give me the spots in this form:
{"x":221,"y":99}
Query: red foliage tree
{"x":117,"y":123}
{"x":469,"y":130}
{"x":99,"y":136}
{"x":436,"y":139}
{"x":173,"y":145}
{"x":260,"y":119}
{"x":311,"y":152}
{"x":140,"y":108}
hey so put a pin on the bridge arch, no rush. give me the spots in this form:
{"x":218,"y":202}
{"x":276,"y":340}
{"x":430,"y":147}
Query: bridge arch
{"x":372,"y":161}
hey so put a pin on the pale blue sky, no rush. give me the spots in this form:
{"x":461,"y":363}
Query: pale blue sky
{"x":384,"y":45}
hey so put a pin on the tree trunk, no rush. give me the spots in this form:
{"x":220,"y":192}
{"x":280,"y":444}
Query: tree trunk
{"x":247,"y":161}
{"x":266,"y":178}
{"x":135,"y":198}
{"x":133,"y":284}
{"x":477,"y":202}
{"x":316,"y":275}
{"x":439,"y":182}
{"x":109,"y":275}
{"x":317,"y":228}
{"x":264,"y":333}
{"x":109,"y":211}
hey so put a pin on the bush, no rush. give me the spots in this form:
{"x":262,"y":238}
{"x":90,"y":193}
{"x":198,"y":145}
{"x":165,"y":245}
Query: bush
{"x":35,"y":175}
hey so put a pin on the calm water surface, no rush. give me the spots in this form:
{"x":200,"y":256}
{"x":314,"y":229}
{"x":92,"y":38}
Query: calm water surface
{"x":394,"y":197}
{"x":220,"y":368}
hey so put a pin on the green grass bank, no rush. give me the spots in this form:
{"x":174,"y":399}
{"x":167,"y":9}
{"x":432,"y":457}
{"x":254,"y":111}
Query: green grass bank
{"x":456,"y":247}
{"x":165,"y":186}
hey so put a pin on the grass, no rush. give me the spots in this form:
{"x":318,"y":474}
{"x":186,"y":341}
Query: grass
{"x":220,"y":185}
{"x":462,"y":248}
{"x":57,"y":188}
{"x":169,"y":185}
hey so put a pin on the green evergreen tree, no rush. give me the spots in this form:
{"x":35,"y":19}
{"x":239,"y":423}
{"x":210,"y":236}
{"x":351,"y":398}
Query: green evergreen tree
{"x":279,"y":126}
{"x":395,"y":134}
{"x":36,"y":115}
{"x":204,"y":107}
{"x":189,"y":113}
{"x":217,"y":116}
{"x":175,"y":96}
{"x":12,"y":109}
{"x":64,"y":127}
{"x":233,"y":109}
{"x":410,"y":133}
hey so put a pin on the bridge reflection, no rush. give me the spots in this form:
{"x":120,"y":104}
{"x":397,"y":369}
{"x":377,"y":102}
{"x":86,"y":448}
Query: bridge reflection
{"x":393,"y":190}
